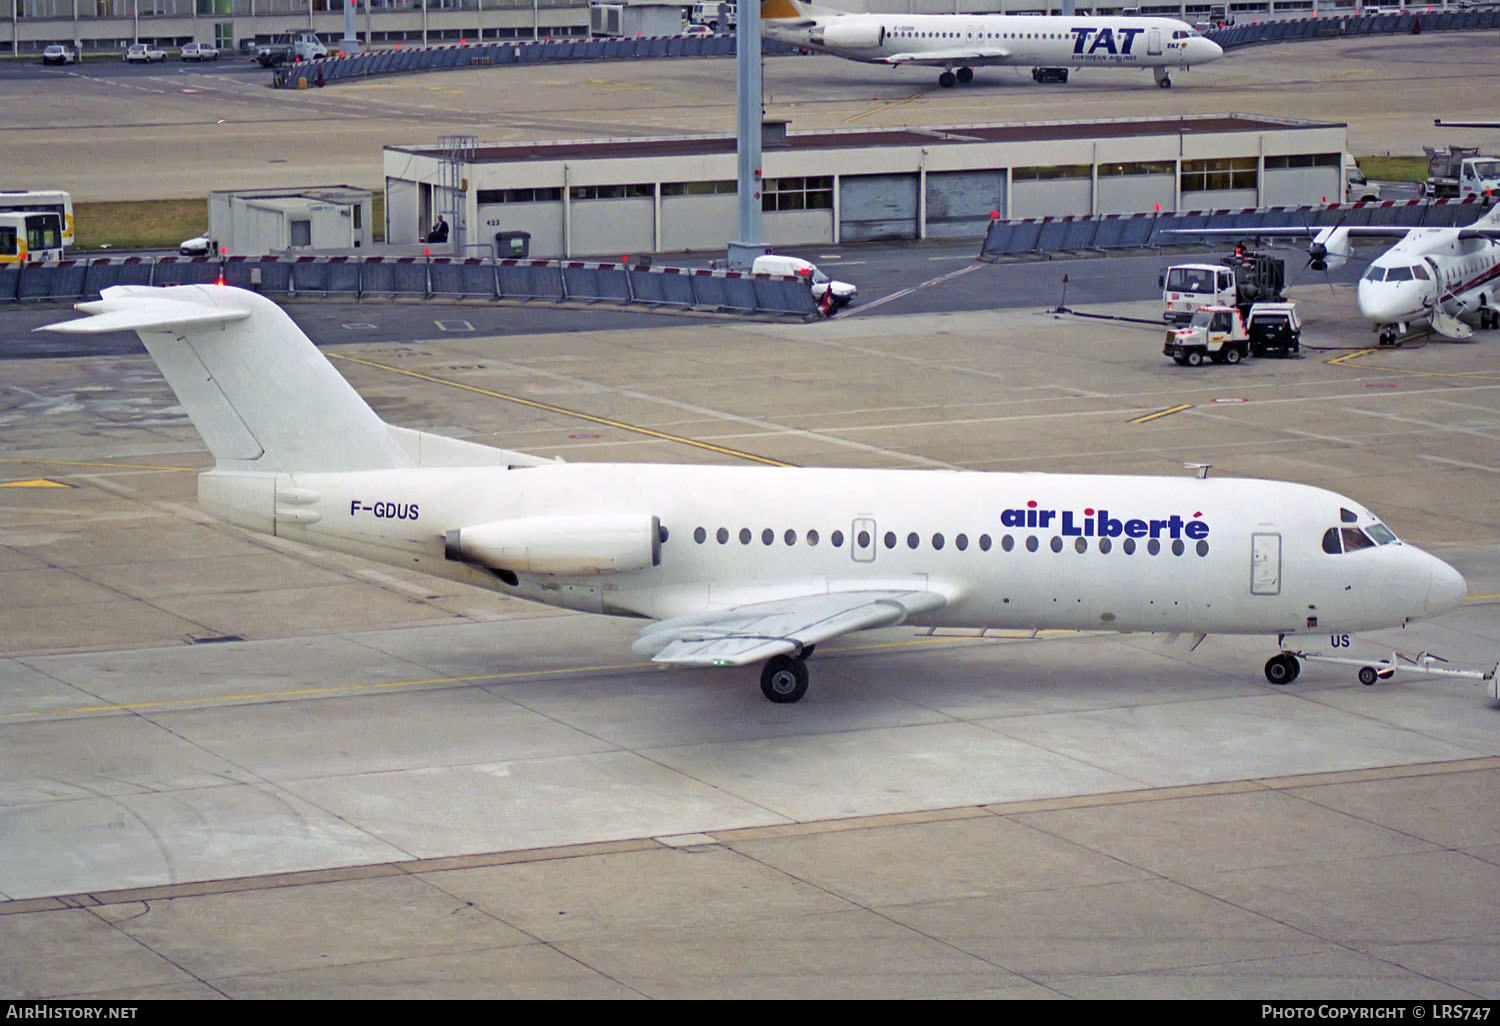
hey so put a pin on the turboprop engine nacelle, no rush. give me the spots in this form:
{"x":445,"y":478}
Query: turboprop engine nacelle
{"x":560,"y":545}
{"x":856,"y":36}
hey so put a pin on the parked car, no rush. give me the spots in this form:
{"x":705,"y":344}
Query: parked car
{"x":824,"y":288}
{"x":200,"y":52}
{"x":143,"y":53}
{"x":198,"y":245}
{"x":697,"y":30}
{"x":58,"y":54}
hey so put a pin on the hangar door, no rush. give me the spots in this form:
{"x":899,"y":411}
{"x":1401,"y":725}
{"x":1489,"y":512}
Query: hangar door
{"x":877,"y":207}
{"x":959,"y":203}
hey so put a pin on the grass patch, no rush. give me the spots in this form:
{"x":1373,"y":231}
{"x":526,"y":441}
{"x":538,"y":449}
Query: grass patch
{"x":162,"y":224}
{"x":1394,"y":169}
{"x":141,"y":224}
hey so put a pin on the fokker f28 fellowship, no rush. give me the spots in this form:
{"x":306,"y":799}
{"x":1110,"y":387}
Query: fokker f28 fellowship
{"x":959,"y":43}
{"x":1440,"y":277}
{"x":739,"y":565}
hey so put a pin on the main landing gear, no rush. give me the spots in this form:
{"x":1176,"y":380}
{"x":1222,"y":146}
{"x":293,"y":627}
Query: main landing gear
{"x":784,"y":678}
{"x":1163,"y":78}
{"x":957,"y":76}
{"x":1282,"y":668}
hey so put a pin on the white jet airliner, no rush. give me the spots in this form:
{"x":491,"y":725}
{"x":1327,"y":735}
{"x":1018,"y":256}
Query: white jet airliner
{"x":1431,"y":276}
{"x":738,"y":565}
{"x":959,"y":43}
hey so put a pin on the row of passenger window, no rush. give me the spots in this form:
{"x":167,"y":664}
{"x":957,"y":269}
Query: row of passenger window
{"x":863,"y":540}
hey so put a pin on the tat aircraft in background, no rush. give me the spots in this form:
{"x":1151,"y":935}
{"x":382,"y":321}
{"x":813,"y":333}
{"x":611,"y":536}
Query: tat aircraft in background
{"x":739,"y":565}
{"x":959,"y":43}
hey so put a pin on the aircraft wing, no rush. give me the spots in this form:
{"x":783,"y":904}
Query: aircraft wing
{"x":1492,"y":234}
{"x":760,"y":630}
{"x":1373,"y":231}
{"x":947,"y":58}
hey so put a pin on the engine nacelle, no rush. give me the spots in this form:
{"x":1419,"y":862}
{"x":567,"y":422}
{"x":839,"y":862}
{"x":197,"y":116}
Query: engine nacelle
{"x":854,"y":33}
{"x":593,"y":544}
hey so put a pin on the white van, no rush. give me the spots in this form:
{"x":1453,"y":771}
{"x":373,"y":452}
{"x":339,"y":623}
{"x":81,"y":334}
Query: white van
{"x":1357,"y":188}
{"x":820,"y":283}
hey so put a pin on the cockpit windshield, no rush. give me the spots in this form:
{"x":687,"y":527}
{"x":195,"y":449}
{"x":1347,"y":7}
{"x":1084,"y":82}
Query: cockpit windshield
{"x":1338,"y":540}
{"x":1190,"y":279}
{"x":1397,"y":273}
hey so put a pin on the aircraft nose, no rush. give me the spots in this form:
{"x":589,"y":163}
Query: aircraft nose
{"x":1375,"y":303}
{"x":1446,"y":589}
{"x":1212,"y":51}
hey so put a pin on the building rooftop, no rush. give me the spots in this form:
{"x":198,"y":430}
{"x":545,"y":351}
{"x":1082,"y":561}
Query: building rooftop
{"x":675,"y":146}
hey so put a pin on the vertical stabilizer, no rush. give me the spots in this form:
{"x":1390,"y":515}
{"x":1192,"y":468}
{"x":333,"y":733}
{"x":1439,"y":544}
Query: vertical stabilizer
{"x":789,"y":10}
{"x":254,"y":385}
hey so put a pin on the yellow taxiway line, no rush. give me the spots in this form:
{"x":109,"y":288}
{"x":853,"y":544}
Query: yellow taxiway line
{"x":564,"y":411}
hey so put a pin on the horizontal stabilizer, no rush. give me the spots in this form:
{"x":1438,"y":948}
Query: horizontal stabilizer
{"x":143,"y":308}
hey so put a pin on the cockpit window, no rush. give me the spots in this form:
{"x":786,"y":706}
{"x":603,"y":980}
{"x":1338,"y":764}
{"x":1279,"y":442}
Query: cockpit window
{"x":1381,"y":534}
{"x":1398,"y":274}
{"x":1354,"y":538}
{"x":1375,"y":274}
{"x":1331,"y":543}
{"x":1421,"y":273}
{"x":1348,"y":516}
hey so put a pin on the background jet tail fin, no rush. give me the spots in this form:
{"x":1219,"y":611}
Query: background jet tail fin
{"x":791,"y":10}
{"x":254,"y":385}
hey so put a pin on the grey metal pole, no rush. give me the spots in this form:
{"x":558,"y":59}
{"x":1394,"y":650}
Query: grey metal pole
{"x":750,"y":240}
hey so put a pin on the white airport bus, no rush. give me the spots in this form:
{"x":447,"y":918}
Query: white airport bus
{"x":53,"y":201}
{"x":27,"y":236}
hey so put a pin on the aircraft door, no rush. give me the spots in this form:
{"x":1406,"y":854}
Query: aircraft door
{"x":1153,"y":42}
{"x":1265,"y":564}
{"x":862,"y":540}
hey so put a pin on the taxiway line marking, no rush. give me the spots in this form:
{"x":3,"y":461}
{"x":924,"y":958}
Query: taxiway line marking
{"x":851,"y":311}
{"x":1148,"y":418}
{"x":93,"y":463}
{"x":887,"y":106}
{"x":550,"y":408}
{"x":1347,"y":358}
{"x":215,"y":701}
{"x":210,"y":701}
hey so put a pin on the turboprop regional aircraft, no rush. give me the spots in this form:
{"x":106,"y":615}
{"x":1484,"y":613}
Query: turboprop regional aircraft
{"x":959,"y":43}
{"x":1433,"y":276}
{"x":740,"y":565}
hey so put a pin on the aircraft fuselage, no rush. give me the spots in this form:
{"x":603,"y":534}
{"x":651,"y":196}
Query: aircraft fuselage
{"x":1005,"y":550}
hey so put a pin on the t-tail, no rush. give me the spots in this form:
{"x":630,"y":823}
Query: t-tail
{"x":257,"y":389}
{"x":793,"y":10}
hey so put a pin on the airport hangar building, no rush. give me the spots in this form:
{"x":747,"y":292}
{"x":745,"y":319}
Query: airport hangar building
{"x":665,"y":195}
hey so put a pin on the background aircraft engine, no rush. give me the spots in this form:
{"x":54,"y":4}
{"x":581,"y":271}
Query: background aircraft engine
{"x":560,"y":545}
{"x":858,"y":35}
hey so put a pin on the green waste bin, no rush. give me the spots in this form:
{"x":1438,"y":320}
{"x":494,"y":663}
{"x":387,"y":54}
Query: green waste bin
{"x":513,"y":245}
